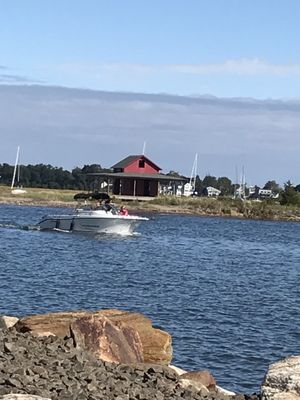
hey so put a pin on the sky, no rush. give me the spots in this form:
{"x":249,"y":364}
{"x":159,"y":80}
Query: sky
{"x":220,"y":49}
{"x":227,"y":48}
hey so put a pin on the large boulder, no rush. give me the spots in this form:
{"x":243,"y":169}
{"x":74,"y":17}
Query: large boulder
{"x":282,"y":380}
{"x":107,"y":341}
{"x":156,"y":343}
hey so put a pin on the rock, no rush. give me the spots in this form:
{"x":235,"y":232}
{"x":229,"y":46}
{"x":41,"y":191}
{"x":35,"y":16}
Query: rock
{"x":50,"y":367}
{"x":57,"y":324}
{"x":200,"y":379}
{"x":187,"y":383}
{"x":226,"y":392}
{"x":107,"y":341}
{"x":218,"y":389}
{"x":7,"y":322}
{"x":178,"y":370}
{"x":16,"y":396}
{"x":282,"y":380}
{"x":157,"y":344}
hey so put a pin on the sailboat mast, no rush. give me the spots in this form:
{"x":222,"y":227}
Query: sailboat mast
{"x":144,"y":148}
{"x":15,"y":169}
{"x":193,"y":173}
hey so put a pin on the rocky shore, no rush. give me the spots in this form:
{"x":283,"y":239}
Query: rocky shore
{"x":108,"y":354}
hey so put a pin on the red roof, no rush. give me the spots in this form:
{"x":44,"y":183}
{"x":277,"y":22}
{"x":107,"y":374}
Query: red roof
{"x":130,"y":159}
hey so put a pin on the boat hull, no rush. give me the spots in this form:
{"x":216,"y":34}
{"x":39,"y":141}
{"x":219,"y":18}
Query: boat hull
{"x":113,"y":224}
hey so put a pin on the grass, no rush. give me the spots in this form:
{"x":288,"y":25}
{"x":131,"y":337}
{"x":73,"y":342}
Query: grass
{"x":225,"y":206}
{"x":270,"y":210}
{"x":39,"y":195}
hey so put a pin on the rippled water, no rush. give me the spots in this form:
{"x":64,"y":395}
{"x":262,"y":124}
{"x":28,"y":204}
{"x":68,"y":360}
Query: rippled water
{"x":227,"y":290}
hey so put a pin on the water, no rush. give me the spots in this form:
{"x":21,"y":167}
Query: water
{"x":226,"y":290}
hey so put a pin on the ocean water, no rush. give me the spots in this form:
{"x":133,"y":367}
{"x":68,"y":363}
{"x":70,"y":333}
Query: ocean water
{"x":227,"y":290}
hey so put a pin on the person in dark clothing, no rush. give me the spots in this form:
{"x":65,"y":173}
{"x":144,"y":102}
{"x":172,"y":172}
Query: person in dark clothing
{"x":107,"y":207}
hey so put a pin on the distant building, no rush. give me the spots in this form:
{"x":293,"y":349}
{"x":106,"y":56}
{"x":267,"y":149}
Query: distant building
{"x":188,"y":190}
{"x":257,"y":193}
{"x":211,"y":191}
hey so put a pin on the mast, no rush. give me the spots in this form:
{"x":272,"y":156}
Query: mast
{"x":15,"y":169}
{"x":236,"y":183}
{"x":193,"y":174}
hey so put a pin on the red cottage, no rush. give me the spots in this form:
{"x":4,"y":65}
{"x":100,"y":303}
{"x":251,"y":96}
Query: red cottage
{"x":139,"y":177}
{"x":135,"y":177}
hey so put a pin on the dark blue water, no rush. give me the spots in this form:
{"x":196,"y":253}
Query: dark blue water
{"x":226,"y":290}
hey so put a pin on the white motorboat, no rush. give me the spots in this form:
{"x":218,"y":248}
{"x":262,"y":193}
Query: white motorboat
{"x":94,"y":218}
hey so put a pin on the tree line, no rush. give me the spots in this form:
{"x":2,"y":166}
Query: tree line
{"x":49,"y":177}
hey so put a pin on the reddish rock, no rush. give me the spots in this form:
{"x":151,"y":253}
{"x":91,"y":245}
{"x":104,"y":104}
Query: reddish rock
{"x":57,"y":324}
{"x":156,"y":344}
{"x":107,"y":341}
{"x":204,"y":378}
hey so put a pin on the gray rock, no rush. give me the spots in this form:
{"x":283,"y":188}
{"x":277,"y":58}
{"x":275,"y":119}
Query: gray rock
{"x":51,"y":368}
{"x":13,"y":396}
{"x":7,"y":322}
{"x":282,"y":381}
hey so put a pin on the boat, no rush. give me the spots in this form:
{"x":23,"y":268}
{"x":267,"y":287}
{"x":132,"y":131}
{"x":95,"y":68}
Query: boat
{"x":18,"y":189}
{"x":93,"y":213}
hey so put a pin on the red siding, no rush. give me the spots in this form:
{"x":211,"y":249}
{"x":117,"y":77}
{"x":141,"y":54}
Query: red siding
{"x":148,"y":168}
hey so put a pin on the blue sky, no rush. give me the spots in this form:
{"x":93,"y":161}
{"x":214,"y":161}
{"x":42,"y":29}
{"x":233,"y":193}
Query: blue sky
{"x":225,"y":48}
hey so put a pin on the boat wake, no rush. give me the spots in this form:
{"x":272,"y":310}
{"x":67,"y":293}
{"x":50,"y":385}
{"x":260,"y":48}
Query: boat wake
{"x":13,"y":225}
{"x":60,"y":230}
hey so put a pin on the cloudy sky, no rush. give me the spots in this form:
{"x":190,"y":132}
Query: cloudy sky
{"x":231,"y":69}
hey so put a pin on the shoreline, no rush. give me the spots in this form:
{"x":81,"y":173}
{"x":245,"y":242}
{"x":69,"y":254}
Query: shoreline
{"x":201,"y":207}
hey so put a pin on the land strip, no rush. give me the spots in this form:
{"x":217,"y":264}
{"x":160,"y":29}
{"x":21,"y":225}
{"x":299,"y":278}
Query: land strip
{"x":225,"y":207}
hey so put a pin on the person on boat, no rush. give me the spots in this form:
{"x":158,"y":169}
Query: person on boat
{"x":123,"y":210}
{"x":97,"y":205}
{"x":107,"y":206}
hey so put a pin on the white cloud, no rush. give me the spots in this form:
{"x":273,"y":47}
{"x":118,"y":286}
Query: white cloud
{"x":108,"y":126}
{"x":242,"y":67}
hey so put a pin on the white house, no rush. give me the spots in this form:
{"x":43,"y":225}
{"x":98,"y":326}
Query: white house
{"x":212,"y":192}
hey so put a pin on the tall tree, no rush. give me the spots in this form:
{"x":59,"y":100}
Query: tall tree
{"x":209,"y":181}
{"x":225,"y":185}
{"x":289,"y":196}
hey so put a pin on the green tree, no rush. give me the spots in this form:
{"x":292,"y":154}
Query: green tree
{"x":173,"y":173}
{"x":225,"y":185}
{"x":272,"y":185}
{"x":289,"y":196}
{"x":210,"y":181}
{"x":199,"y":185}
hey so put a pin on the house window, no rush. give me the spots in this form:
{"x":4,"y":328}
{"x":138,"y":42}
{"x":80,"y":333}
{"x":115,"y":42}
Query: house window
{"x":141,"y":163}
